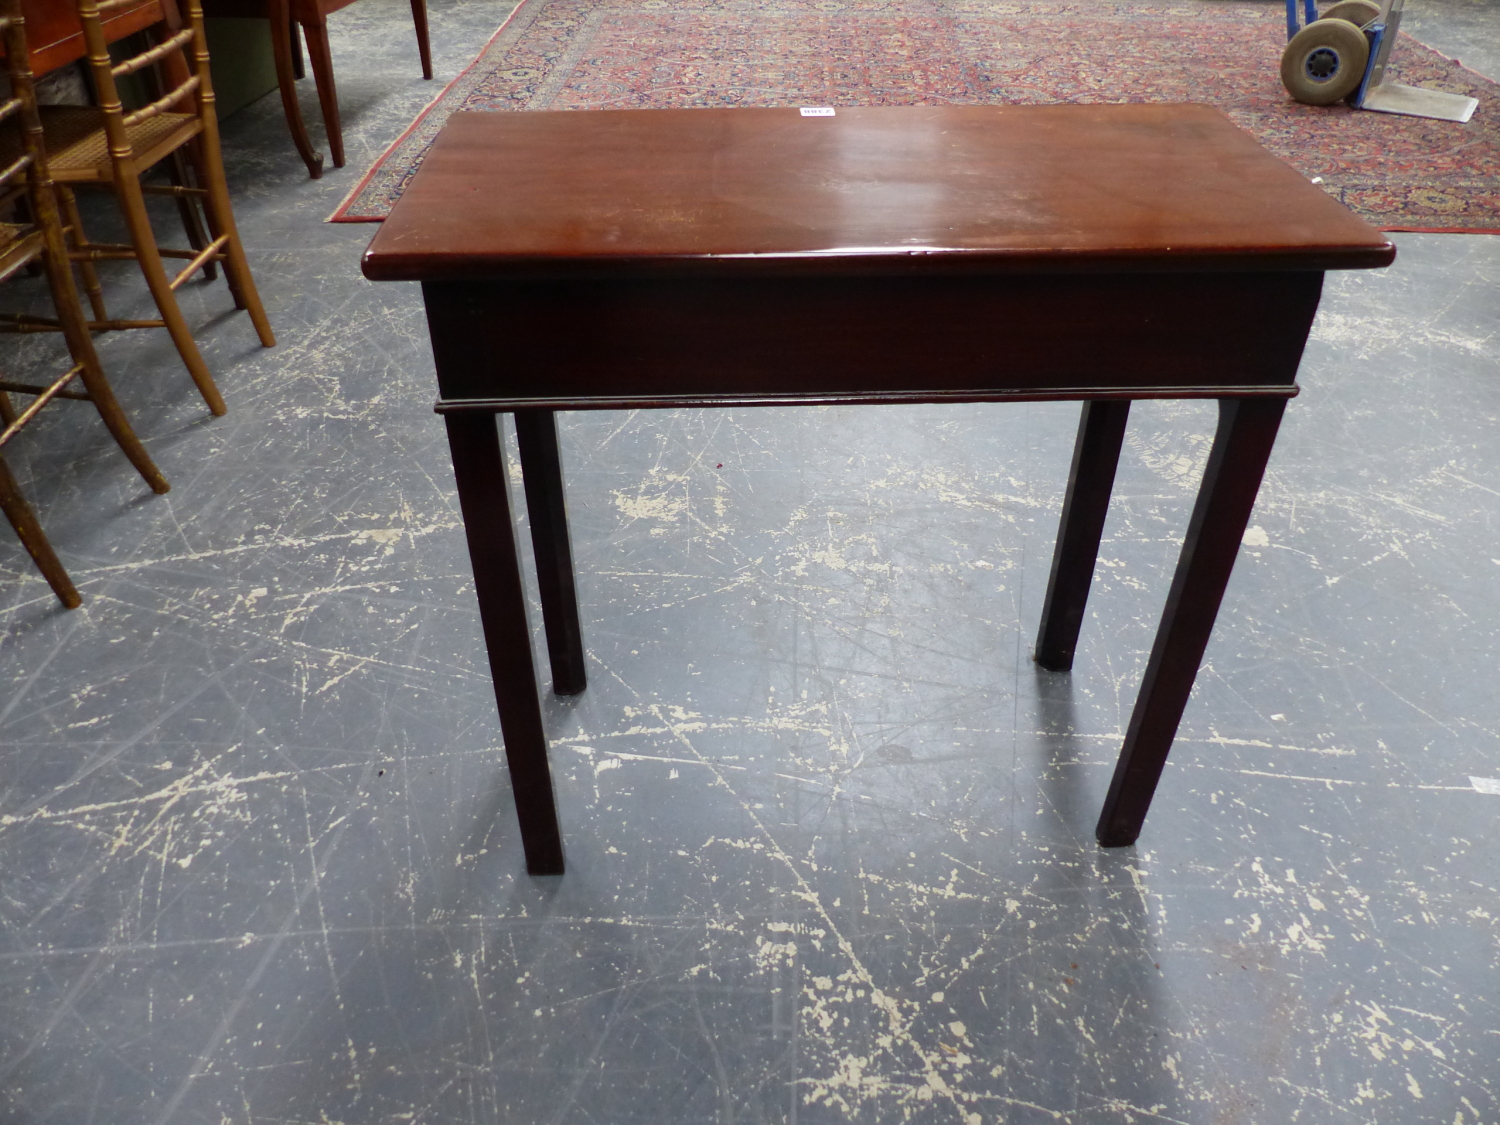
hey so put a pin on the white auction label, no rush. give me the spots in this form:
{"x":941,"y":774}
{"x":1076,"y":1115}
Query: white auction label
{"x":817,"y":111}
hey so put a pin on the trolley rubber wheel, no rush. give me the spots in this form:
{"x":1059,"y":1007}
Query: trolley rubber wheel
{"x":1324,"y":62}
{"x":1357,"y":12}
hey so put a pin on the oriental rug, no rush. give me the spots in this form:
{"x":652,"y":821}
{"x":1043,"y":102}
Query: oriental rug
{"x":1401,"y":173}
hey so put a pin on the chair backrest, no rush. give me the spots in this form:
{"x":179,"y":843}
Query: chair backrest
{"x":26,"y":175}
{"x":180,"y":59}
{"x":20,"y":106}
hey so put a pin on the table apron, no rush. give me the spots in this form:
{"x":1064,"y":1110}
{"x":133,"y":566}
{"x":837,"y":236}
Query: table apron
{"x":1064,"y":394}
{"x":662,"y":342}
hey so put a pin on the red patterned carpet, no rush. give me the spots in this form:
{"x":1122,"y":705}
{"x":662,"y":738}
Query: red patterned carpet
{"x":1402,"y":173}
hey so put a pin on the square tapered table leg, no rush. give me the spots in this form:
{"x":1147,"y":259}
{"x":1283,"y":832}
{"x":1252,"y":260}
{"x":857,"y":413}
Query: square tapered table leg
{"x":1242,"y":446}
{"x":483,"y":497}
{"x":1096,"y":454}
{"x":541,"y":470}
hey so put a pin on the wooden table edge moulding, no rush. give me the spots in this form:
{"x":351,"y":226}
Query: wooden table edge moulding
{"x":763,"y":257}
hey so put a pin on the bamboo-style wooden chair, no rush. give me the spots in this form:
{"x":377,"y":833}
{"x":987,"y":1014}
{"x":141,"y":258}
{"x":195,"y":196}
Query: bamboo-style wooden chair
{"x":26,"y":180}
{"x":107,"y":146}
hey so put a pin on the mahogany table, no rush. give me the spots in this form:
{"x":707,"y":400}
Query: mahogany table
{"x":55,"y":37}
{"x":286,"y":56}
{"x":746,"y":257}
{"x":312,"y":15}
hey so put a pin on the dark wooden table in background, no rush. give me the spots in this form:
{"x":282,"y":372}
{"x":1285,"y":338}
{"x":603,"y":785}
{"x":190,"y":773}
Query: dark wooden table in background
{"x":55,"y":37}
{"x":659,"y":258}
{"x":285,"y":17}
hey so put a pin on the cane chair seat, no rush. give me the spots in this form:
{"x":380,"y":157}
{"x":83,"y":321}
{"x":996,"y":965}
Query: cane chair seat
{"x":78,"y":149}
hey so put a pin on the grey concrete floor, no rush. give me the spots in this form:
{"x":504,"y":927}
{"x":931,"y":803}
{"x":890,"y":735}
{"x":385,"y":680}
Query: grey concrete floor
{"x":829,"y":829}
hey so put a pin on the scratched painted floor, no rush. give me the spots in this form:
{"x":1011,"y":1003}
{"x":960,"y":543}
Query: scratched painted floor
{"x":829,"y":829}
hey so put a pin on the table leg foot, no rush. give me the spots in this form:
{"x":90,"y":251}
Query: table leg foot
{"x":483,"y":496}
{"x":1096,"y":453}
{"x":424,"y":48}
{"x":541,"y":469}
{"x":316,"y":34}
{"x":287,"y":52}
{"x":1242,"y":445}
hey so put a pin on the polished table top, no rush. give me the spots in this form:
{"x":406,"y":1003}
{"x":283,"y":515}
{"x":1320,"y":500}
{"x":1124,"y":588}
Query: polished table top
{"x":742,"y":192}
{"x":652,"y":257}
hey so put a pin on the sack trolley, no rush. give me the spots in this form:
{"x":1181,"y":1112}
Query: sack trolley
{"x":1342,"y":56}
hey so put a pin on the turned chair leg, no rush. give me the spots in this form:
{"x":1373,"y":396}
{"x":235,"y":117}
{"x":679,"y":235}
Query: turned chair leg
{"x":199,"y":160}
{"x":73,"y":224}
{"x":143,"y":239}
{"x":75,"y":331}
{"x":187,"y":210}
{"x":221,"y":222}
{"x":34,"y":539}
